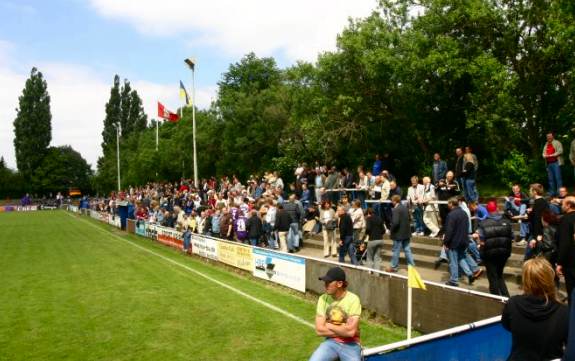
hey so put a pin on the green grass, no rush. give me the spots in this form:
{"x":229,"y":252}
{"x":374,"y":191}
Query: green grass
{"x":71,"y":290}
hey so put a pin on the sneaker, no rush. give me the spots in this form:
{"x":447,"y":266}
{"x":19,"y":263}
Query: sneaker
{"x":438,"y":263}
{"x":391,"y":270}
{"x":477,"y":273}
{"x":522,"y":243}
{"x":415,"y":234}
{"x":433,"y":235}
{"x":470,"y":280}
{"x":453,"y":284}
{"x":421,"y":234}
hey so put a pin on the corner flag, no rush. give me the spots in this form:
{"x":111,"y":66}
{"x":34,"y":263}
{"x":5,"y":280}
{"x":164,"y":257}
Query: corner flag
{"x":414,"y":279}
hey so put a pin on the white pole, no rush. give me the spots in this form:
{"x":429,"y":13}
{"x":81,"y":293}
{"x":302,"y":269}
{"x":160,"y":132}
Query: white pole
{"x":157,"y":133}
{"x":408,"y":312}
{"x":118,"y":129}
{"x":194,"y":126}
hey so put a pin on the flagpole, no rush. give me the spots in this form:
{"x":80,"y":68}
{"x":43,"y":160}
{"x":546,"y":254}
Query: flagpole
{"x":194,"y":125}
{"x":118,"y":130}
{"x":157,"y":134}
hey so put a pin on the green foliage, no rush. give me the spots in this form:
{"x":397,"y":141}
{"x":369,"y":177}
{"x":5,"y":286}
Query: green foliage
{"x":11,"y":182}
{"x":519,"y":168}
{"x":32,"y":126}
{"x":61,"y":169}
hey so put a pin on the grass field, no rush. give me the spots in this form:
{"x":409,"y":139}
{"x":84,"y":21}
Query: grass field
{"x":75,"y":289}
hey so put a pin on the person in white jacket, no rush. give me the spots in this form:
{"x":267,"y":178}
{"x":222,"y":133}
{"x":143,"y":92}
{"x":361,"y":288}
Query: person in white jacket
{"x":430,"y":211}
{"x":415,"y":199}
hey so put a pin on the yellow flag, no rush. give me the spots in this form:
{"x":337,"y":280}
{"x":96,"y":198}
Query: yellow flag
{"x":414,"y":279}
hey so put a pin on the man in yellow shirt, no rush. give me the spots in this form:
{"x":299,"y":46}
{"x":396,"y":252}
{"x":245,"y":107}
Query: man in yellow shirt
{"x":337,"y":319}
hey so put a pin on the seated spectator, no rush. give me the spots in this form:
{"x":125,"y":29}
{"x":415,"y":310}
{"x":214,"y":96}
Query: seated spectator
{"x":311,"y":218}
{"x":538,"y":322}
{"x":556,"y":202}
{"x":516,"y":206}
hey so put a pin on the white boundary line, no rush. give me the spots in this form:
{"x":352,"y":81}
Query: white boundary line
{"x":222,"y":284}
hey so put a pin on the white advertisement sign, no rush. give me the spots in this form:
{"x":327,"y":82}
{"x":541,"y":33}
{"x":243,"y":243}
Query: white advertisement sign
{"x":280,"y":268}
{"x":205,"y":247}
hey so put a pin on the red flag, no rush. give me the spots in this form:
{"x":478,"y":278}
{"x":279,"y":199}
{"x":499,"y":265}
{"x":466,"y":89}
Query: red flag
{"x":166,"y":114}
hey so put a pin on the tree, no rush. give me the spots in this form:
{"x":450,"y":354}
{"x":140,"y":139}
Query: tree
{"x":61,"y":169}
{"x":32,"y":126}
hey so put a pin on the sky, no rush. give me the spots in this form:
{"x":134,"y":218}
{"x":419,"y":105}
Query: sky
{"x":79,"y":45}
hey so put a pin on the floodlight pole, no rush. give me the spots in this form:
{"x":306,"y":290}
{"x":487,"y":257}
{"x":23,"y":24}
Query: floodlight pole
{"x":191,"y":62}
{"x":118,"y":130}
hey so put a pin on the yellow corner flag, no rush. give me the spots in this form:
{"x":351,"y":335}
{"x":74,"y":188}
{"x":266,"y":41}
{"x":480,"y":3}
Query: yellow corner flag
{"x":414,"y":279}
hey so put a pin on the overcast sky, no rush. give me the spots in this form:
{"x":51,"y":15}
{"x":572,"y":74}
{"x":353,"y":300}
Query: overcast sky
{"x":80,"y":45}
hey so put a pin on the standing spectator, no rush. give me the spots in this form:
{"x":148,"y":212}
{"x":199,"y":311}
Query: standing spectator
{"x":535,"y":218}
{"x":439,"y":168}
{"x":566,"y":254}
{"x":553,"y":155}
{"x":459,"y":168}
{"x":337,"y":319}
{"x":470,"y":166}
{"x":377,"y":166}
{"x":430,"y":208}
{"x":374,"y":232}
{"x":399,"y":232}
{"x":415,"y":199}
{"x":538,"y":322}
{"x":495,"y":236}
{"x":358,"y":220}
{"x":331,"y":183}
{"x":296,"y":215}
{"x":282,"y":225}
{"x":455,"y":241}
{"x":269,"y":225}
{"x":319,"y":182}
{"x":328,"y":226}
{"x":215,"y":229}
{"x":446,"y":188}
{"x":516,"y":207}
{"x":254,"y":228}
{"x":226,"y":224}
{"x":346,"y":245}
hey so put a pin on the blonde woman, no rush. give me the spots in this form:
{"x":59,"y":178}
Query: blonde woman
{"x":328,"y":222}
{"x":538,"y":322}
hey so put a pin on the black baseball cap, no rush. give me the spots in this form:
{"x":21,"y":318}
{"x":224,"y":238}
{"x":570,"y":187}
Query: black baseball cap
{"x":334,"y":274}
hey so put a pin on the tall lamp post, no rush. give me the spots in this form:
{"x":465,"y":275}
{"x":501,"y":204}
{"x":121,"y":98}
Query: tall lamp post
{"x":118,"y":131}
{"x":191,"y":62}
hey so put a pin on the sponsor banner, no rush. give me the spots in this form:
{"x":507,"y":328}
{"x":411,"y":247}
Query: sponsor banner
{"x":96,"y":215}
{"x":170,"y":237}
{"x":280,"y":268}
{"x":151,"y":231}
{"x":236,"y":255}
{"x":18,"y":208}
{"x":141,"y":228}
{"x":113,"y":221}
{"x":205,"y":247}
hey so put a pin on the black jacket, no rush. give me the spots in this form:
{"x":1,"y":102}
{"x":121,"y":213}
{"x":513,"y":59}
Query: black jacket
{"x":254,"y":227}
{"x":538,"y":328}
{"x":497,"y":235}
{"x":345,"y":225}
{"x":566,"y":230}
{"x":283,"y":220}
{"x":374,"y":227}
{"x":400,"y":227}
{"x":536,"y":226}
{"x":456,"y":229}
{"x":293,"y":210}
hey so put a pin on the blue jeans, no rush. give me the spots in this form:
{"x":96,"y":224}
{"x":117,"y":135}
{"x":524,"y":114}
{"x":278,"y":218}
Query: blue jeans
{"x":474,"y":251}
{"x":554,"y":175}
{"x":470,"y":190}
{"x":349,"y":248}
{"x":330,"y":350}
{"x":457,"y":258}
{"x":398,"y":245}
{"x":293,"y":236}
{"x":187,"y":240}
{"x":418,"y":218}
{"x":254,"y":241}
{"x":520,"y":210}
{"x":273,"y":240}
